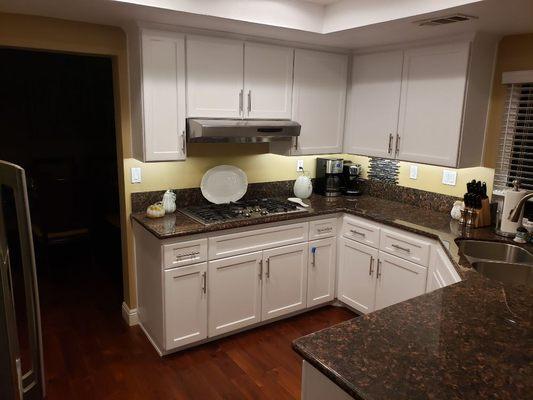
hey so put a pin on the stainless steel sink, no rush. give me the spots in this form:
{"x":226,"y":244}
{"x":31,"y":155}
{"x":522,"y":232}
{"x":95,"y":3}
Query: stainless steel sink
{"x":478,"y":250}
{"x":505,"y":272}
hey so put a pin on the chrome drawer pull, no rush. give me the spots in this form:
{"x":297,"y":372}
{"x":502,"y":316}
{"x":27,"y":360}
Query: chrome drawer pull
{"x":194,"y":253}
{"x":401,"y":248}
{"x":328,"y":229}
{"x":357,"y":232}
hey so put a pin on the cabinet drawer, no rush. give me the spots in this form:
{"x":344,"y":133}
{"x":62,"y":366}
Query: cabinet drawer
{"x":322,"y":228}
{"x":184,"y":253}
{"x":361,"y":231}
{"x":404,"y":245}
{"x":249,"y":241}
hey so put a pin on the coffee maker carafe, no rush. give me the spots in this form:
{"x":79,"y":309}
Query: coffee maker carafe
{"x":351,"y":181}
{"x":329,"y":176}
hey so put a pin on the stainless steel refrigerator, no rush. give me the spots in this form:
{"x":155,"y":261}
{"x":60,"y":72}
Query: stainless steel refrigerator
{"x":21,"y":359}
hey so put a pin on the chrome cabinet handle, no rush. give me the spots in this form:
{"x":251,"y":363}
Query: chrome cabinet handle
{"x":249,"y":101}
{"x":194,"y":253}
{"x":268,"y":268}
{"x":401,"y":248}
{"x":371,"y":266}
{"x":313,"y":252}
{"x":328,"y":229}
{"x":296,"y":143}
{"x":261,"y":270}
{"x":183,"y":141}
{"x":391,"y":137}
{"x":240,"y":102}
{"x":204,"y":282}
{"x":379,"y":270}
{"x":357,"y":232}
{"x":397,"y":149}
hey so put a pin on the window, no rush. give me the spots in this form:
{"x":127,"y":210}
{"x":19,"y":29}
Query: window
{"x":515,"y":158}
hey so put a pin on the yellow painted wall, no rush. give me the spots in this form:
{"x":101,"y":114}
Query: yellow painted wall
{"x":53,"y":34}
{"x":515,"y":53}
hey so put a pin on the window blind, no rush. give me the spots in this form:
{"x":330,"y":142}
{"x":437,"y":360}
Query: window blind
{"x":515,"y":158}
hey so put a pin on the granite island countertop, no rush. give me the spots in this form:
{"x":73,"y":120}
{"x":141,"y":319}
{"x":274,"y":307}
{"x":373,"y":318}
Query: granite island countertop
{"x":470,"y":340}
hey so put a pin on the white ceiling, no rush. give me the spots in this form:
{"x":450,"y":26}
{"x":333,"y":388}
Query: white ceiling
{"x":323,"y":2}
{"x":347,"y":24}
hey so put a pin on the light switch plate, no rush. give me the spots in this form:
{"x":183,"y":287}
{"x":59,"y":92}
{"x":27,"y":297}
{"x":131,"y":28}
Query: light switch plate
{"x":413,"y":171}
{"x":449,"y":177}
{"x":299,"y":165}
{"x":136,"y":175}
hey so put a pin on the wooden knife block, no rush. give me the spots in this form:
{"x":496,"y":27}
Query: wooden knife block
{"x":482,"y":215}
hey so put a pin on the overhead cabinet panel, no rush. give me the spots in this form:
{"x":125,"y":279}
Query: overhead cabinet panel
{"x":267,"y":81}
{"x":163,"y":80}
{"x":374,"y":103}
{"x":319,"y":100}
{"x":431,"y":106}
{"x":214,"y":77}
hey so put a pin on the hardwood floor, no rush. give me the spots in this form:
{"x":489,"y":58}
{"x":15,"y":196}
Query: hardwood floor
{"x":90,"y":353}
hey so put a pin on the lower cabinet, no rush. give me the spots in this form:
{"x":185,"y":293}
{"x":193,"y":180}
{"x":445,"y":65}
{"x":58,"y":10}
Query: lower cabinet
{"x":321,"y":271}
{"x":357,"y":275}
{"x":185,"y":301}
{"x":370,"y":279}
{"x":284,"y":280}
{"x":398,"y":280}
{"x":441,"y":271}
{"x":234,"y":292}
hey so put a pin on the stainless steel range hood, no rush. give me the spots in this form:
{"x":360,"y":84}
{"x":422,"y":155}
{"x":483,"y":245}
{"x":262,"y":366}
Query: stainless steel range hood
{"x":240,"y":131}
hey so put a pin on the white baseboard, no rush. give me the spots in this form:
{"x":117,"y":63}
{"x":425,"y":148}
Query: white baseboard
{"x":130,"y":315}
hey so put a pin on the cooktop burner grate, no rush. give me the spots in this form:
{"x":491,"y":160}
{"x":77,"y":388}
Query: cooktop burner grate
{"x":257,"y":208}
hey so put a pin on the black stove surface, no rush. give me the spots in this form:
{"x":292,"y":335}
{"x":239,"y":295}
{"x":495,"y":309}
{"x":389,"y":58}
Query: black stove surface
{"x":257,"y":208}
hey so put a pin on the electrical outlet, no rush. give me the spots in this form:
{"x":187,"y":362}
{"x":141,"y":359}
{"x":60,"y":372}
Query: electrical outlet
{"x":449,"y":177}
{"x":299,"y":165}
{"x":413,"y":171}
{"x":136,"y":175}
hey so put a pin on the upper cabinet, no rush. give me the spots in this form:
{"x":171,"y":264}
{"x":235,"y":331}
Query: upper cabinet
{"x":214,"y":77}
{"x":158,"y":83}
{"x":424,"y":104}
{"x":319,"y":99}
{"x":267,"y":81}
{"x":372,"y":119}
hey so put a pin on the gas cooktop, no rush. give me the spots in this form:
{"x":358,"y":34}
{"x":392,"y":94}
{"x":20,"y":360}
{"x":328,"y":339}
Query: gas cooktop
{"x":219,"y":213}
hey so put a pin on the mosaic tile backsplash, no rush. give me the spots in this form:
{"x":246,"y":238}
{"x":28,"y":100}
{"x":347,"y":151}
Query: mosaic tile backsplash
{"x":384,"y":170}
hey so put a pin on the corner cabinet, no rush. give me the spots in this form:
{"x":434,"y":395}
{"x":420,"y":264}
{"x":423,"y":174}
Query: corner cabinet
{"x":319,"y":101}
{"x":157,"y":64}
{"x":424,"y":104}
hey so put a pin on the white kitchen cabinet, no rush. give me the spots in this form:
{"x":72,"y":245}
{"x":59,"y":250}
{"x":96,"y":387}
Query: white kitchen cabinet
{"x":158,"y":93}
{"x":321,"y":271}
{"x":431,"y":107}
{"x":214,"y":77}
{"x":267,"y":81}
{"x":372,"y":120}
{"x":284,"y":280}
{"x":234,"y":293}
{"x":185,"y":305}
{"x":319,"y":100}
{"x":398,"y":280}
{"x":356,"y":277}
{"x":441,"y":270}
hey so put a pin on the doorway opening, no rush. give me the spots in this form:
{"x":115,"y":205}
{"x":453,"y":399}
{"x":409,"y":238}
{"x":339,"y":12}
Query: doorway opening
{"x":57,"y":121}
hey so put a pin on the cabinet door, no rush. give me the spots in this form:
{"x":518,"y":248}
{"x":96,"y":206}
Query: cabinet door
{"x":284,"y":280}
{"x":185,"y":305}
{"x":398,"y":280}
{"x":321,"y":271}
{"x":214,"y":77}
{"x":433,"y":91}
{"x":319,"y":84}
{"x":267,"y":81}
{"x":163,"y":74}
{"x":234,"y":293}
{"x":372,"y":120}
{"x":357,"y":275}
{"x":441,"y":271}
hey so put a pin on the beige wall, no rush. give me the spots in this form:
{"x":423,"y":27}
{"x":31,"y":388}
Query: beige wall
{"x":59,"y":35}
{"x":515,"y":53}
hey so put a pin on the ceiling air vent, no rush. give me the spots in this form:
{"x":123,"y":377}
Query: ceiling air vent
{"x":448,"y":19}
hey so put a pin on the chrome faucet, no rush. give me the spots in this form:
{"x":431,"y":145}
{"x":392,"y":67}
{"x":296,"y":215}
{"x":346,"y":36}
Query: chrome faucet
{"x":515,"y":213}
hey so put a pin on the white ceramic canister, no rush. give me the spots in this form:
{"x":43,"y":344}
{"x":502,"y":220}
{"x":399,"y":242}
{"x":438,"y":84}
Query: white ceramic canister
{"x":303,"y":186}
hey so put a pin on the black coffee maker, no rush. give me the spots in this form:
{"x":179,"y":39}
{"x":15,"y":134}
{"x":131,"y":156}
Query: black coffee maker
{"x":350,"y":177}
{"x":328,"y":176}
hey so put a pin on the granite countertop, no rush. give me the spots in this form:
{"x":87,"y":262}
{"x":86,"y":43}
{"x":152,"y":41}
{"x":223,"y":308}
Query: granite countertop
{"x":470,"y":340}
